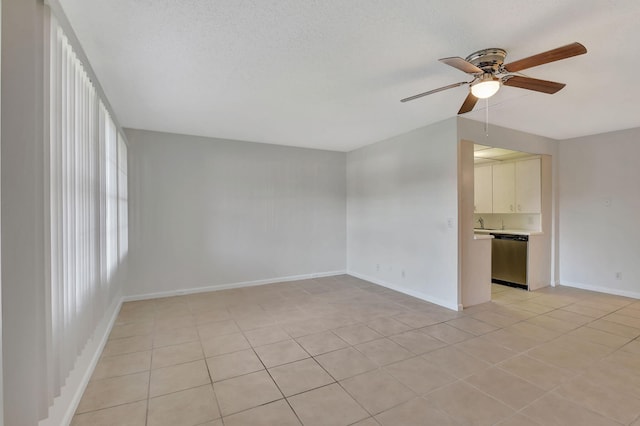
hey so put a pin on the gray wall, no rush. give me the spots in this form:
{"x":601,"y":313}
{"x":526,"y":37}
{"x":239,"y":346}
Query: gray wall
{"x":599,"y":212}
{"x":1,"y":385}
{"x":213,"y":213}
{"x":23,"y":207}
{"x":402,"y":213}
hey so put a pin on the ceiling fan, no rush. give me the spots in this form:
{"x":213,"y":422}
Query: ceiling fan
{"x":490,"y":72}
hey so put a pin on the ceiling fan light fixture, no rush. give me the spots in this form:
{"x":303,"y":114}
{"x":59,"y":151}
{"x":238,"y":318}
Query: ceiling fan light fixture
{"x":486,"y":87}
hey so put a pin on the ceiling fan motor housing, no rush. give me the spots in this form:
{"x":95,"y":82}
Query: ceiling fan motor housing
{"x":488,"y":60}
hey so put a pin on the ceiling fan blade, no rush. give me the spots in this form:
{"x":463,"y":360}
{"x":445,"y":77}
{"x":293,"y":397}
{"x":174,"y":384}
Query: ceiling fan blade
{"x":529,"y":83}
{"x":564,"y":52}
{"x":461,"y":64}
{"x":419,"y":95}
{"x":468,"y":104}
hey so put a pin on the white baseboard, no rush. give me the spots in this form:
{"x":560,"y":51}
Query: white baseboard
{"x":600,"y":289}
{"x":207,"y":288}
{"x":328,"y":274}
{"x":65,"y":405}
{"x":417,"y":294}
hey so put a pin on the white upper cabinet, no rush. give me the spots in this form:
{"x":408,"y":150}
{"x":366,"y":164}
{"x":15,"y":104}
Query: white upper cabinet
{"x":512,"y":187}
{"x":527,"y":186}
{"x":504,"y":188}
{"x":483,"y":190}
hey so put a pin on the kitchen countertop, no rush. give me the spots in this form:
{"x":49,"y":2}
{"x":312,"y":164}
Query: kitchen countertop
{"x":506,"y":231}
{"x":482,"y":236}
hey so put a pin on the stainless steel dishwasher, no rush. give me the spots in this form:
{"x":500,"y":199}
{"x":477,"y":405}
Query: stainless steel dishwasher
{"x":509,"y":260}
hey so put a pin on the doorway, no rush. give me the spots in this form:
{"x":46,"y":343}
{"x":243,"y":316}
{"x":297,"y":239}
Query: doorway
{"x":475,"y":253}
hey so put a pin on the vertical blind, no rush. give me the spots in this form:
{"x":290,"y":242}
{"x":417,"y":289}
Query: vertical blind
{"x":88,"y":208}
{"x":123,"y":204}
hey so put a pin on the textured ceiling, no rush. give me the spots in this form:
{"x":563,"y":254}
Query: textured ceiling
{"x":329,"y":74}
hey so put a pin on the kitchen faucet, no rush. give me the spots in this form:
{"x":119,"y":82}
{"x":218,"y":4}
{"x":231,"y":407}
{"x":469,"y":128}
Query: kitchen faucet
{"x":481,"y":220}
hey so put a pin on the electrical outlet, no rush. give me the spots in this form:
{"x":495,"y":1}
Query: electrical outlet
{"x":530,"y":220}
{"x":607,"y":202}
{"x":618,"y":275}
{"x":450,"y":222}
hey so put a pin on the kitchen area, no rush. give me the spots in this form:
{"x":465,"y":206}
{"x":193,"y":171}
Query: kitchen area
{"x":511,"y":223}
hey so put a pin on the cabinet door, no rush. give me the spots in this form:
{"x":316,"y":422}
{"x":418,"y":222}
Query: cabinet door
{"x":482,"y":190}
{"x":528,"y":186}
{"x":504,"y":187}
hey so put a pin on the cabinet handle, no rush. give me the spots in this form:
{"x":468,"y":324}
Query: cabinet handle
{"x":511,"y":207}
{"x":519,"y":208}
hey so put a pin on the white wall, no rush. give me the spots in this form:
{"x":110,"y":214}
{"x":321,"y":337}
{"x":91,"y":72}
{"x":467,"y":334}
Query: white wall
{"x":402,"y":192}
{"x":474,"y":255}
{"x":600,"y":211}
{"x":213,"y":213}
{"x":502,"y":137}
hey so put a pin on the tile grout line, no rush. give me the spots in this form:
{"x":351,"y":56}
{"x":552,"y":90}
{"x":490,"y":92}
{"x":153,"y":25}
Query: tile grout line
{"x":276,"y":383}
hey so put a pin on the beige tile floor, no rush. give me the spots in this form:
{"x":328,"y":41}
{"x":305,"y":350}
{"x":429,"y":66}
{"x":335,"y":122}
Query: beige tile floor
{"x":342,"y":351}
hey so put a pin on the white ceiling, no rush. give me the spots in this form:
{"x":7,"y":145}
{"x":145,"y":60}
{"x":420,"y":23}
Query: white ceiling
{"x":487,"y":154}
{"x":329,"y":74}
